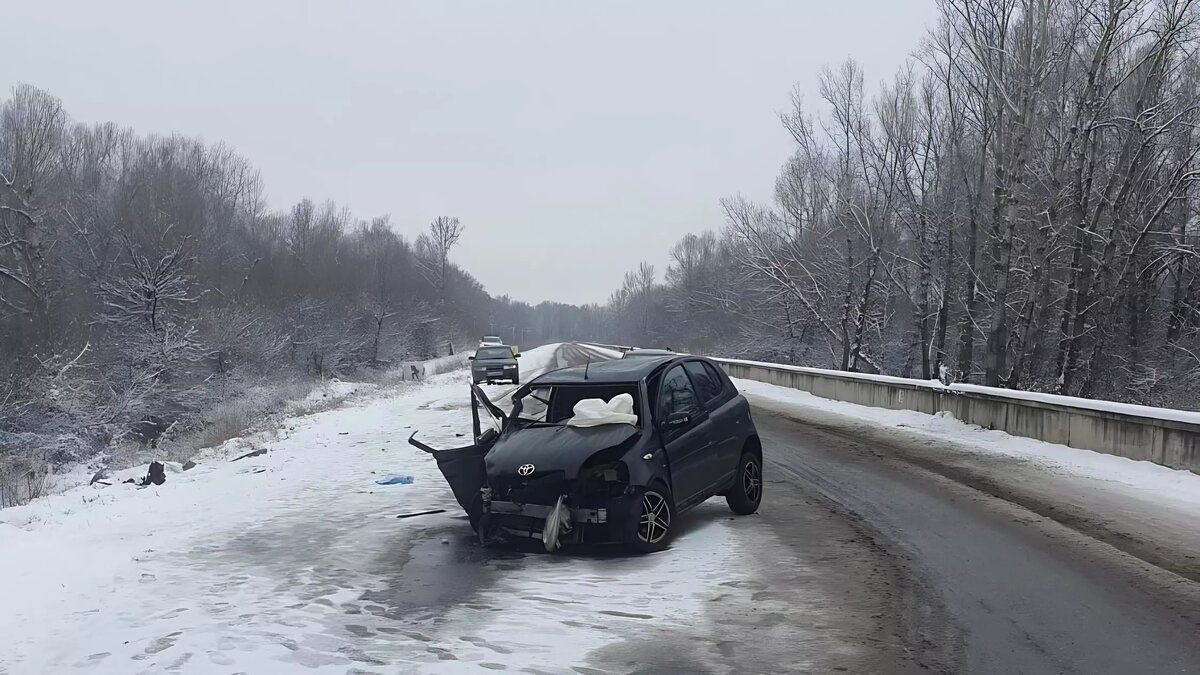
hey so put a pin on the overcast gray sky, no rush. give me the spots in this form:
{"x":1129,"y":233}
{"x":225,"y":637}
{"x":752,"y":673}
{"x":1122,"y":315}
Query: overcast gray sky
{"x":573,"y":139}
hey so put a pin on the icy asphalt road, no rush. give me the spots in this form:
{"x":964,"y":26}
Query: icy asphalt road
{"x":988,"y":586}
{"x":294,"y":562}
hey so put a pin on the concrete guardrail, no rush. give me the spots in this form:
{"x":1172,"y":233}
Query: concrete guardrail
{"x":1160,"y":435}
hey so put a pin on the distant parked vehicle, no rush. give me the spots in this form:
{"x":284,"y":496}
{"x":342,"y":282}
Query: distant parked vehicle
{"x":491,"y":341}
{"x":495,"y":363}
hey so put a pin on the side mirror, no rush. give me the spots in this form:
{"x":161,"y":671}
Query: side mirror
{"x":677,"y":419}
{"x":516,"y":356}
{"x":470,"y":358}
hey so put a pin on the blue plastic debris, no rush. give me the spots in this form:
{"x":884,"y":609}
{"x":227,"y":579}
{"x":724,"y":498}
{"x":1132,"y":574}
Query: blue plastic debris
{"x":395,"y":479}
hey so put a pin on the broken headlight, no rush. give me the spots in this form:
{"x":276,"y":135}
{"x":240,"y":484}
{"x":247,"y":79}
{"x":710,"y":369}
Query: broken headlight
{"x":604,"y":480}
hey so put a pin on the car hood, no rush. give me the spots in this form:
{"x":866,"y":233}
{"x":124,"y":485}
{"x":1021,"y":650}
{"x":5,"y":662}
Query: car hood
{"x":553,"y":449}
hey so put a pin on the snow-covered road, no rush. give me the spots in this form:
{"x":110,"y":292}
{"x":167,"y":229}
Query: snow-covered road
{"x":294,"y":561}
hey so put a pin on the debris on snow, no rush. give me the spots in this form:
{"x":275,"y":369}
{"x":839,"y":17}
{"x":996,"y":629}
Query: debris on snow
{"x":157,"y":475}
{"x":395,"y":479}
{"x":430,"y":512}
{"x":253,"y":453}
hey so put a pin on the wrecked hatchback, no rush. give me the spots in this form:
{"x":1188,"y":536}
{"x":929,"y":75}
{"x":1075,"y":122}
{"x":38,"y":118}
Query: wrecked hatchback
{"x":610,"y":452}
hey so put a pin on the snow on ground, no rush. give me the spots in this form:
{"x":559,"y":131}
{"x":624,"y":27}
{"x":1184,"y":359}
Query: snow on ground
{"x":96,"y":575}
{"x":557,"y":610}
{"x":103,"y":577}
{"x":294,"y":560}
{"x":331,"y":391}
{"x":1142,"y":478}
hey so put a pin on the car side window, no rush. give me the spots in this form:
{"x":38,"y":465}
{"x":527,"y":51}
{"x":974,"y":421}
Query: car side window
{"x":708,"y":383}
{"x":678,"y":395}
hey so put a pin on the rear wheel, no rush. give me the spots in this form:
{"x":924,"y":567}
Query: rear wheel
{"x":746,"y":493}
{"x":650,"y":521}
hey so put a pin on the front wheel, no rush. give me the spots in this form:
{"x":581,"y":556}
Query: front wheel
{"x":746,"y":493}
{"x":650,"y":521}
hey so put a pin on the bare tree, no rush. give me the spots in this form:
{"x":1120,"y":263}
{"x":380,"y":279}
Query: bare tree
{"x":444,"y":233}
{"x":1018,"y":205}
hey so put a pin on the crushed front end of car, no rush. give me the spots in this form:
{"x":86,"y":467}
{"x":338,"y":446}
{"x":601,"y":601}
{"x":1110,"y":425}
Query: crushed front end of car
{"x":559,"y":480}
{"x":554,"y":483}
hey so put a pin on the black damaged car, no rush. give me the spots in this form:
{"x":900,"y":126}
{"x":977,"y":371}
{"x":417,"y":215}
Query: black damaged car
{"x":608,"y":452}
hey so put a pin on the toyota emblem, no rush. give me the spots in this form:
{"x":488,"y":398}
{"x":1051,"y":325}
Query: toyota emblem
{"x":525,"y":470}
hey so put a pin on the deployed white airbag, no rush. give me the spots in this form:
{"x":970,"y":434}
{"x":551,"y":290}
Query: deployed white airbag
{"x":593,"y":412}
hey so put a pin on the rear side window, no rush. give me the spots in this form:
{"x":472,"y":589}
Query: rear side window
{"x":708,"y":383}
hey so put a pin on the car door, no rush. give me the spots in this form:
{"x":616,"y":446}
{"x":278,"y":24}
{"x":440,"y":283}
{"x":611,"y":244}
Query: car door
{"x":463,"y":467}
{"x":724,"y":418}
{"x":686,"y":436}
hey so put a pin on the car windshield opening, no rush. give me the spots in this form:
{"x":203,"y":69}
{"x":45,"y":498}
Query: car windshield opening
{"x":555,"y":405}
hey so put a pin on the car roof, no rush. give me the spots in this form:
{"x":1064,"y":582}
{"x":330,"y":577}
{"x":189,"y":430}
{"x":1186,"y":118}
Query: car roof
{"x":616,"y":371}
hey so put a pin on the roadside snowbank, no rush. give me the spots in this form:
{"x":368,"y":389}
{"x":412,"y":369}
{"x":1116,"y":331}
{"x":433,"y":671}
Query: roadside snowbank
{"x":110,"y":576}
{"x":1145,"y":478}
{"x":605,"y":352}
{"x":330,"y":392}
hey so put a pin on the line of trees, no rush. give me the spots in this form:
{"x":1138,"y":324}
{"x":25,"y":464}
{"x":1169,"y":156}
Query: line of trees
{"x":1016,"y":207}
{"x":144,"y":277}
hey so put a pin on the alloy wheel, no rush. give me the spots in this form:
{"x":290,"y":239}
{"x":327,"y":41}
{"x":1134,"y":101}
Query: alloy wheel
{"x":655,"y":518}
{"x":752,"y":481}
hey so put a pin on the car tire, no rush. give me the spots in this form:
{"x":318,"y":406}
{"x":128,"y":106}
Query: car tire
{"x":745,"y":494}
{"x":516,"y":381}
{"x":642,"y":536}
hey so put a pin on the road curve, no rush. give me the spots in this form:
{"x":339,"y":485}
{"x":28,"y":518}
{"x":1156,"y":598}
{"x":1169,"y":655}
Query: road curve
{"x":996,"y":589}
